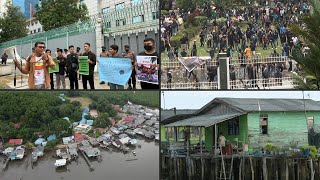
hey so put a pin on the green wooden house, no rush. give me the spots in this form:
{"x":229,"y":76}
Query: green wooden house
{"x":246,"y":121}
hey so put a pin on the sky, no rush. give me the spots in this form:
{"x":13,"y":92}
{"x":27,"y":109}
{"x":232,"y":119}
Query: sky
{"x":197,"y":99}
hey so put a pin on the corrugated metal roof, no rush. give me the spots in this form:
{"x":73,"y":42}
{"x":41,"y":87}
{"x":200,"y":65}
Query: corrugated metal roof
{"x":250,"y":104}
{"x":165,"y":114}
{"x":204,"y":120}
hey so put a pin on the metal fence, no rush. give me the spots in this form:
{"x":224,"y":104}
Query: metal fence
{"x":259,"y":72}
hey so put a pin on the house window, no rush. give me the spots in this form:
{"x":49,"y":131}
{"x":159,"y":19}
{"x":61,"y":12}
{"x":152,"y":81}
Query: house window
{"x":35,"y":31}
{"x":136,"y":2}
{"x":39,"y":30}
{"x":155,"y":15}
{"x":120,"y":22}
{"x":108,"y":25}
{"x":105,"y":10}
{"x":119,"y":6}
{"x":310,"y":122}
{"x":233,"y":127}
{"x":30,"y":32}
{"x":138,"y":19}
{"x":264,"y":124}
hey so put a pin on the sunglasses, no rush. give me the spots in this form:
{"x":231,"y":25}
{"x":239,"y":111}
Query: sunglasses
{"x":42,"y":47}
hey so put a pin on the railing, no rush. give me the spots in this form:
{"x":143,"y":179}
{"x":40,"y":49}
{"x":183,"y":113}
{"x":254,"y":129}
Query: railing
{"x":259,"y":72}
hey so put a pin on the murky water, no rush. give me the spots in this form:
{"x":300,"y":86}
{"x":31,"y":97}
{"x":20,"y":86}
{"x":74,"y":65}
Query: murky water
{"x":114,"y":166}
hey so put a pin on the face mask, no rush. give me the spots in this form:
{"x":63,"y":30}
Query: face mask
{"x":148,"y":48}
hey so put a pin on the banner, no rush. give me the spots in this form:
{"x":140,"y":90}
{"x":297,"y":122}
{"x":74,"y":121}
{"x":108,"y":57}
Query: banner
{"x":56,"y":69}
{"x":147,"y":70}
{"x":114,"y":70}
{"x":84,"y":65}
{"x":189,"y":62}
{"x":203,"y":60}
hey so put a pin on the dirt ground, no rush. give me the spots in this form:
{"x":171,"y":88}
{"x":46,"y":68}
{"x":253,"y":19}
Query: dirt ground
{"x":84,"y":101}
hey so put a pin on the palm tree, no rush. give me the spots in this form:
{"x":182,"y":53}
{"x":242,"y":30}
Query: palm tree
{"x":309,"y":35}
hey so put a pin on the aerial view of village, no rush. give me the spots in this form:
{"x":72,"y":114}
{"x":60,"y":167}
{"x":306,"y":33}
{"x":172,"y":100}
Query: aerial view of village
{"x":79,"y":135}
{"x":240,"y":135}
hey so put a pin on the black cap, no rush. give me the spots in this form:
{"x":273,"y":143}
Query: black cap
{"x":126,"y":46}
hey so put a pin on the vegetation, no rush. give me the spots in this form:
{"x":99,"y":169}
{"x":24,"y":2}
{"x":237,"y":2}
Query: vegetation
{"x":12,"y":24}
{"x":54,"y":14}
{"x":309,"y":35}
{"x":35,"y":112}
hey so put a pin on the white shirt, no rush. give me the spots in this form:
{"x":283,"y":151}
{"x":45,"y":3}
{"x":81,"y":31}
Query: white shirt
{"x":39,"y":78}
{"x":222,"y":141}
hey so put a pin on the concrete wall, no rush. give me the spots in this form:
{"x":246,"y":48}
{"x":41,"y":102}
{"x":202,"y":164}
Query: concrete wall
{"x":135,"y":41}
{"x":283,"y":127}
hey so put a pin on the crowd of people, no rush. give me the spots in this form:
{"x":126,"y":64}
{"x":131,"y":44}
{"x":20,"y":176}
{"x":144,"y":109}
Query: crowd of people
{"x":38,"y":64}
{"x":239,"y":32}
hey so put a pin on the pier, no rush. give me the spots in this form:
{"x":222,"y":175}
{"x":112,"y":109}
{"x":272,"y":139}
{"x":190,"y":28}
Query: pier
{"x":87,"y":160}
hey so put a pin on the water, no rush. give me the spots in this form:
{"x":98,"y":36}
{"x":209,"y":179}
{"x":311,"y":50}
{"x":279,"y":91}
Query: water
{"x":113,"y":166}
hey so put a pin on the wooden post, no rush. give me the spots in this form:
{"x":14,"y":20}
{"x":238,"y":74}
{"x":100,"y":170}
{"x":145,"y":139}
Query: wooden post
{"x":215,"y":139}
{"x":287,"y":169}
{"x":240,"y":169}
{"x":298,"y":169}
{"x":264,"y":166}
{"x":311,"y":168}
{"x":176,"y":134}
{"x":175,"y":168}
{"x":252,"y":170}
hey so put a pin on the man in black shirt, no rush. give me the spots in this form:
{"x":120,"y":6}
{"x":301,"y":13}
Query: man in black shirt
{"x":60,"y":75}
{"x":72,"y":68}
{"x":92,"y":60}
{"x":149,"y":46}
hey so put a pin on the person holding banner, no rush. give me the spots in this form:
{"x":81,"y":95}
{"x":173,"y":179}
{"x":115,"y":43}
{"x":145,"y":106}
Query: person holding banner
{"x":48,"y":52}
{"x":113,"y":52}
{"x":60,"y":78}
{"x":92,"y":60}
{"x":72,"y":68}
{"x":37,"y":66}
{"x":104,"y":53}
{"x":130,"y":54}
{"x":149,"y":46}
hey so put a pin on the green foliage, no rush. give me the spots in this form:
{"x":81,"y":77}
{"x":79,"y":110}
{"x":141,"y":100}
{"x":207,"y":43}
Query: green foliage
{"x":175,"y":40}
{"x":201,"y":19}
{"x":51,"y":145}
{"x":98,"y":133}
{"x":93,"y":105}
{"x":309,"y":36}
{"x":268,"y":147}
{"x":12,"y":24}
{"x":165,"y":12}
{"x":59,"y":126}
{"x":102,"y":121}
{"x":54,"y":14}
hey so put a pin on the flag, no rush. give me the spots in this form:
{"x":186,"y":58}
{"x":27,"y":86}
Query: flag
{"x":31,"y":11}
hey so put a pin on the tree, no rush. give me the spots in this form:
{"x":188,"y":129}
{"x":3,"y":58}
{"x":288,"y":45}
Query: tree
{"x":59,"y":126}
{"x":12,"y":24}
{"x":309,"y":63}
{"x":54,"y":14}
{"x":102,"y":121}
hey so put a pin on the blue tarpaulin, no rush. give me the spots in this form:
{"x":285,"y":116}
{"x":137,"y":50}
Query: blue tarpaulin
{"x":52,"y":137}
{"x":39,"y":141}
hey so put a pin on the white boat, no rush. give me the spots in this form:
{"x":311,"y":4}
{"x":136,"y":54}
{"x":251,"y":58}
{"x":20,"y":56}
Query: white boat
{"x":60,"y":162}
{"x":133,"y":142}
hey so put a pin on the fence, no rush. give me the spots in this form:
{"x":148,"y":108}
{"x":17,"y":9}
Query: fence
{"x":259,"y":72}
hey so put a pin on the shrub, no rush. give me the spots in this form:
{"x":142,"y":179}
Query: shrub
{"x":200,"y":19}
{"x":165,"y":12}
{"x":175,"y":40}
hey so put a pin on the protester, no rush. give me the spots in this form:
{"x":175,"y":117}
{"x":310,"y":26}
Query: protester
{"x":130,"y":54}
{"x":37,"y":66}
{"x":149,"y":46}
{"x":60,"y":78}
{"x":72,"y":68}
{"x":4,"y":58}
{"x":113,"y":53}
{"x":92,"y":59}
{"x":104,"y":53}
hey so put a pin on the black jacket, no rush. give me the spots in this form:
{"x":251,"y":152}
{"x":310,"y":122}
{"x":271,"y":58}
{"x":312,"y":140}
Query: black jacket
{"x":72,"y":62}
{"x":62,"y":64}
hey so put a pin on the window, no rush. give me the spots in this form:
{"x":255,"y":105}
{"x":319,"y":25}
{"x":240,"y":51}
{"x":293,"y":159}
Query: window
{"x":136,"y":2}
{"x":108,"y":24}
{"x":30,"y":32}
{"x":39,"y":29}
{"x":264,"y":124}
{"x":120,"y":22}
{"x":35,"y":31}
{"x":138,"y":19}
{"x":310,"y":122}
{"x":233,"y":127}
{"x":119,"y":6}
{"x":155,"y":15}
{"x":105,"y":10}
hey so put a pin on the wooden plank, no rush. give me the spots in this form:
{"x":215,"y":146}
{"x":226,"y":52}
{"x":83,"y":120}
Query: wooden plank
{"x":264,"y":168}
{"x":252,"y":170}
{"x":311,"y":169}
